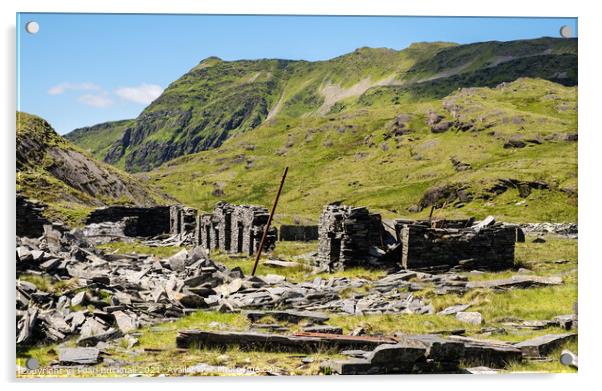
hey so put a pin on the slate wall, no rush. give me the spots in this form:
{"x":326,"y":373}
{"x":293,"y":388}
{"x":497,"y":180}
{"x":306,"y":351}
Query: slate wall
{"x":298,"y":233}
{"x":149,"y":221}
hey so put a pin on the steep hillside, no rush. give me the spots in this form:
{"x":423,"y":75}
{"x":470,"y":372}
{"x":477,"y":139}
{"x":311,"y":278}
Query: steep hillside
{"x":52,"y":170}
{"x":509,"y":150}
{"x":98,"y":139}
{"x":220,"y":99}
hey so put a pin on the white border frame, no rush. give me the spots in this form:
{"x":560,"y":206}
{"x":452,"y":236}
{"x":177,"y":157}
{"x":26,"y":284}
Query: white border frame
{"x":589,"y":26}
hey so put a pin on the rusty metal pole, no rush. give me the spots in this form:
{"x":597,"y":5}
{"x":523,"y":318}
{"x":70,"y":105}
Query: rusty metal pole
{"x":267,"y":226}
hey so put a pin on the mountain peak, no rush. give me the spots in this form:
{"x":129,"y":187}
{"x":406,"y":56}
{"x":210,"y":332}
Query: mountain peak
{"x":218,"y":99}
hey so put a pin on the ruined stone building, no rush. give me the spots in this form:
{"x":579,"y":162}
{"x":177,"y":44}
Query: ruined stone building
{"x":147,"y":221}
{"x":488,"y":244}
{"x":30,"y":218}
{"x":346,"y":236}
{"x":234,"y":228}
{"x":351,"y":236}
{"x":144,"y":222}
{"x":182,"y":220}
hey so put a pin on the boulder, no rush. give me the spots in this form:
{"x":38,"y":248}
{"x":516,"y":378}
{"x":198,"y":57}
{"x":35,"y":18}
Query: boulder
{"x":474,"y":318}
{"x":125,"y":323}
{"x":177,"y":262}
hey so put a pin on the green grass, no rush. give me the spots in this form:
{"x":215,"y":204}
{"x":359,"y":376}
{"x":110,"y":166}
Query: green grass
{"x":219,"y":99}
{"x":138,"y":248}
{"x":329,"y":160}
{"x":98,"y":139}
{"x":48,"y":283}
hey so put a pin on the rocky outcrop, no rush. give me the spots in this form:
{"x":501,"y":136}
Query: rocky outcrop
{"x":52,"y":170}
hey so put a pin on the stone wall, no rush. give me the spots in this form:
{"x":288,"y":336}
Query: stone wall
{"x":30,"y":221}
{"x":490,"y":247}
{"x":299,"y":233}
{"x":234,"y":229}
{"x":346,"y":236}
{"x":149,"y":222}
{"x":182,"y":220}
{"x":352,"y":236}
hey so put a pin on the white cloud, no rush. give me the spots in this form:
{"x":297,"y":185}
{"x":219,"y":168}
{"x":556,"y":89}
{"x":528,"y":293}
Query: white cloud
{"x":62,"y":87}
{"x":144,"y":93}
{"x":101,"y":100}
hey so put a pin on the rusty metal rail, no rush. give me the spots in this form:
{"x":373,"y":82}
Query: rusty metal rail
{"x":267,"y":226}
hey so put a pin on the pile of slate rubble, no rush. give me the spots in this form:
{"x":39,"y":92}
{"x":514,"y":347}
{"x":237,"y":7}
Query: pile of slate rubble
{"x":106,"y":295}
{"x":569,"y":230}
{"x":96,"y":297}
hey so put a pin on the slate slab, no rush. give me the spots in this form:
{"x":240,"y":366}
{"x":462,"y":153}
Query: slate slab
{"x":79,"y":356}
{"x":454,"y":309}
{"x":544,"y":344}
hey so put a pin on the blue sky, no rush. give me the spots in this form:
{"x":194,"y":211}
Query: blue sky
{"x":83,"y":69}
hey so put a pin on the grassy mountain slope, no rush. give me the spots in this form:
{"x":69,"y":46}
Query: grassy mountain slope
{"x":61,"y":175}
{"x":508,"y":150}
{"x":220,"y":99}
{"x":98,"y":139}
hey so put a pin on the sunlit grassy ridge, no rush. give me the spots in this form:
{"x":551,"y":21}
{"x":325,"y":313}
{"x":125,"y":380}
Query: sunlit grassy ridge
{"x":219,"y":99}
{"x":348,"y":156}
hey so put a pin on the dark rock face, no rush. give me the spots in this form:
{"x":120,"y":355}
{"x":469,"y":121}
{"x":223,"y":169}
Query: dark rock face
{"x":451,"y":194}
{"x":143,"y":221}
{"x":524,"y":187}
{"x":30,"y":221}
{"x":40,"y":149}
{"x":441,"y":127}
{"x":201,"y":118}
{"x":398,"y":127}
{"x":459,"y":165}
{"x":514,"y":144}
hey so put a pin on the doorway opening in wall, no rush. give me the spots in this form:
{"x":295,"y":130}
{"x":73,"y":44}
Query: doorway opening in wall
{"x":239,"y":237}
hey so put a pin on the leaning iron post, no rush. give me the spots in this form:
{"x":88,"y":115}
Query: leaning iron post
{"x":267,"y":226}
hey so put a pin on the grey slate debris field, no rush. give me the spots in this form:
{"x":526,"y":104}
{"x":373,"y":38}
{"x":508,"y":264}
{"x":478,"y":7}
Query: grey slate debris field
{"x":112,"y":295}
{"x":144,"y":290}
